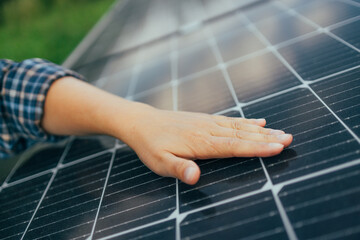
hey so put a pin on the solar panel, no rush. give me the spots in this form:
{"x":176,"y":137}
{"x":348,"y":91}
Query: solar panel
{"x":295,"y":63}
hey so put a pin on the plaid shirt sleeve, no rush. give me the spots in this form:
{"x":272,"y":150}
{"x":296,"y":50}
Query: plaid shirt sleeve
{"x":23,"y":88}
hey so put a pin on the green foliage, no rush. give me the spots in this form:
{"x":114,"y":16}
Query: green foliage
{"x":49,"y":29}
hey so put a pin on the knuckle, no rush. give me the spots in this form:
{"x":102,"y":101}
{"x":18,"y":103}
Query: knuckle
{"x":238,"y":134}
{"x":235,"y":124}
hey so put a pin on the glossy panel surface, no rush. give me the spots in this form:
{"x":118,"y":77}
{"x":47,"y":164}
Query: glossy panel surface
{"x":18,"y":204}
{"x":134,"y":196}
{"x":195,"y":58}
{"x":153,"y":73}
{"x":283,"y":27}
{"x":342,"y":95}
{"x":118,"y":84}
{"x":326,"y":207}
{"x":208,"y":93}
{"x":69,"y":208}
{"x":251,"y":81}
{"x":221,"y":179}
{"x":254,"y":217}
{"x":85,"y":146}
{"x":237,"y":43}
{"x":319,"y":56}
{"x":41,"y":160}
{"x":350,"y":33}
{"x":162,"y":98}
{"x":320,"y":141}
{"x":325,"y":13}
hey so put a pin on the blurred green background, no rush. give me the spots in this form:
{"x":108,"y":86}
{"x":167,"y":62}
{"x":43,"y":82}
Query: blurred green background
{"x":49,"y":29}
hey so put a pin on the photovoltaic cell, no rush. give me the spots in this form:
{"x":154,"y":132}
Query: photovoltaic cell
{"x":320,"y":141}
{"x":349,"y":33}
{"x":195,"y":58}
{"x":254,"y":217}
{"x":85,"y":146}
{"x":283,"y":27}
{"x":319,"y":56}
{"x":238,"y":43}
{"x":119,"y":83}
{"x":70,"y":206}
{"x":208,"y":93}
{"x":342,"y":95}
{"x":18,"y":204}
{"x":134,"y":196}
{"x":250,"y":82}
{"x":153,"y":73}
{"x":221,"y":181}
{"x":162,"y":98}
{"x":41,"y":160}
{"x":325,"y":207}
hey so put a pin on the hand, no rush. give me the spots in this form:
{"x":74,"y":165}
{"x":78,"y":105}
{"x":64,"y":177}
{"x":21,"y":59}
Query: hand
{"x":167,"y":141}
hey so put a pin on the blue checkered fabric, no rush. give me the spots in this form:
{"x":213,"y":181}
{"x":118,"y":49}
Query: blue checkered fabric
{"x":23,"y":88}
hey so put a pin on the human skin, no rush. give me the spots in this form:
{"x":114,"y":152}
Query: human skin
{"x":167,"y":142}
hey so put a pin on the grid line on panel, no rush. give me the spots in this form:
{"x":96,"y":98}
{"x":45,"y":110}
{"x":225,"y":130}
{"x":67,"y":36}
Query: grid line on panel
{"x":47,"y":188}
{"x":102,"y":194}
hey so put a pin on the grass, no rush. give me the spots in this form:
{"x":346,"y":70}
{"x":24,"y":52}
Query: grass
{"x":49,"y":29}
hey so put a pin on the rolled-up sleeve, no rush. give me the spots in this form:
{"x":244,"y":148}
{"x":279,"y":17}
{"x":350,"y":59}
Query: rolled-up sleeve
{"x":24,"y":86}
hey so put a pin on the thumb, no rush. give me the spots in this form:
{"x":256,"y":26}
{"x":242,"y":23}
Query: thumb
{"x":184,"y":169}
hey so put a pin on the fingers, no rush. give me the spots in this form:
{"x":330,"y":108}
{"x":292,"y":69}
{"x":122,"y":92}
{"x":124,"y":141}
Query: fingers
{"x":234,"y":147}
{"x":233,"y":122}
{"x":284,"y":139}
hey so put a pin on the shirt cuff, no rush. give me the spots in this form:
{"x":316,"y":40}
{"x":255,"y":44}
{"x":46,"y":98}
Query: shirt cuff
{"x":25,"y":86}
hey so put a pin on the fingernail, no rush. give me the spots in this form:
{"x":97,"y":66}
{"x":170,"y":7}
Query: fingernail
{"x":189,"y":174}
{"x":276,"y":132}
{"x":261,"y":120}
{"x":276,"y":145}
{"x":284,"y":137}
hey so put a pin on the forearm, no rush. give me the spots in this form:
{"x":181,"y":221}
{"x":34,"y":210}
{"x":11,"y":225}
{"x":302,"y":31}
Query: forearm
{"x":74,"y":107}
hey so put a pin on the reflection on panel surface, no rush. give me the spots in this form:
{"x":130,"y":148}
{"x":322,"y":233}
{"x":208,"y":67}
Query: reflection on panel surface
{"x":260,"y":76}
{"x":162,"y":99}
{"x":195,"y":59}
{"x":238,"y":43}
{"x":86,"y":146}
{"x":320,"y":141}
{"x":18,"y":204}
{"x":325,"y":13}
{"x":283,"y":27}
{"x":134,"y":196}
{"x":319,"y":56}
{"x":254,"y":217}
{"x":325,"y":207}
{"x":208,"y":93}
{"x":69,"y":208}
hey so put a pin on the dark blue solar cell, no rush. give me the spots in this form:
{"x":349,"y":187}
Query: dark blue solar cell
{"x":18,"y":204}
{"x":320,"y":141}
{"x":134,"y":196}
{"x":350,"y":33}
{"x":325,"y":207}
{"x":260,"y":76}
{"x":342,"y":94}
{"x":253,"y":217}
{"x":319,"y":56}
